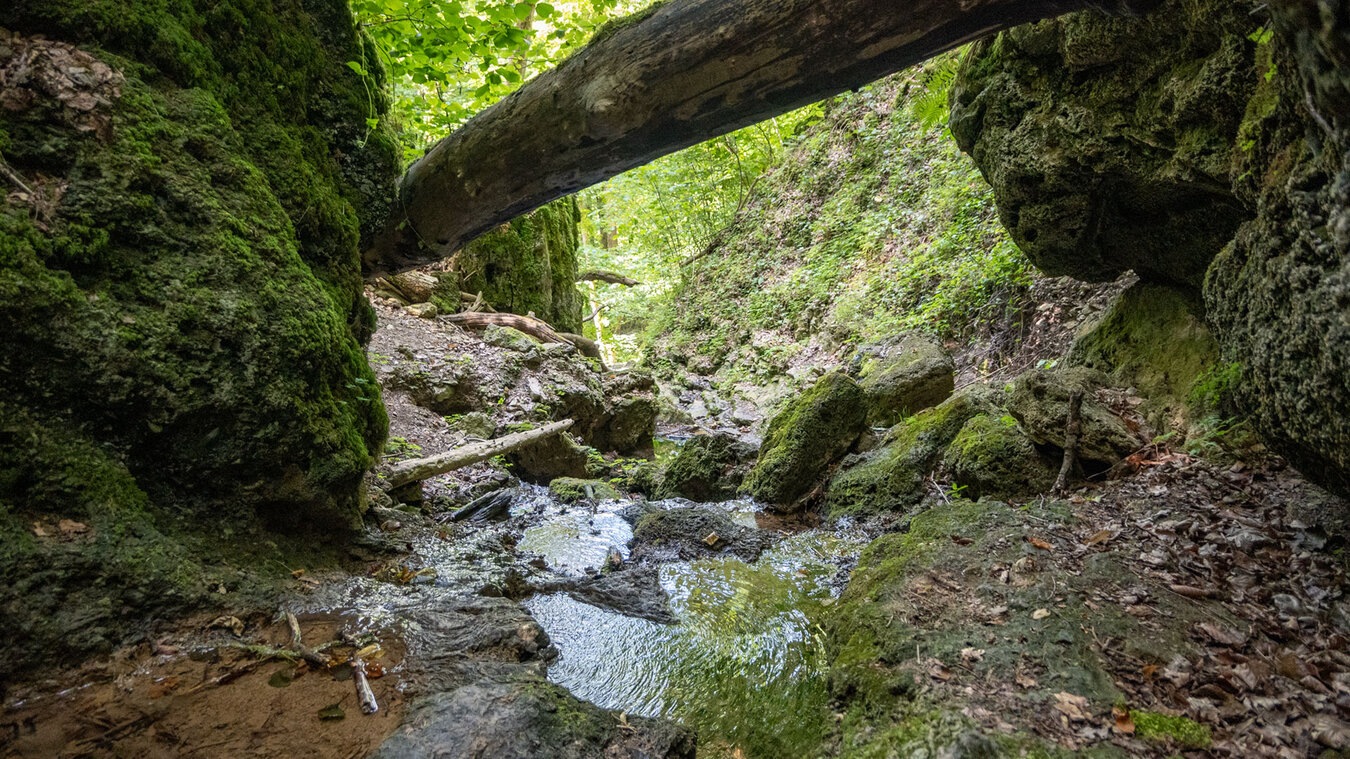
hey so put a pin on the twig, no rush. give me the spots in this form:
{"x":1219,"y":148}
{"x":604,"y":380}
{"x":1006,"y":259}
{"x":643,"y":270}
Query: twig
{"x":363,"y":692}
{"x":1071,"y":432}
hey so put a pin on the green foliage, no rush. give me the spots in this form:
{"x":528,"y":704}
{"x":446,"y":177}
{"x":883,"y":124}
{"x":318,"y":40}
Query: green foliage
{"x":1183,"y":732}
{"x":449,"y":59}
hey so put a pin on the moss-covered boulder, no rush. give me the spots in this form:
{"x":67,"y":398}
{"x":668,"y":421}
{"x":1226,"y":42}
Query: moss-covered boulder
{"x":528,"y":264}
{"x":1155,"y":339}
{"x":571,"y":490}
{"x":992,"y":456}
{"x":691,"y":532}
{"x":1040,"y":402}
{"x":707,"y":468}
{"x":893,"y":477}
{"x":509,"y":338}
{"x":553,"y":457}
{"x":181,"y":293}
{"x":1108,"y":139}
{"x":809,"y":435}
{"x":1278,"y":297}
{"x":905,"y":375}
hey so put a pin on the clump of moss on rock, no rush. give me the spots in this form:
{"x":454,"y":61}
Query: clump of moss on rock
{"x":707,"y":468}
{"x":571,"y":490}
{"x":892,"y":477}
{"x":1173,"y":729}
{"x":992,"y":456}
{"x":810,"y":434}
{"x":186,"y":304}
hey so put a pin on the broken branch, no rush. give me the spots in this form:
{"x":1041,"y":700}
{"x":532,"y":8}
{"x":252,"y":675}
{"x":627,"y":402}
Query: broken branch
{"x":415,"y":470}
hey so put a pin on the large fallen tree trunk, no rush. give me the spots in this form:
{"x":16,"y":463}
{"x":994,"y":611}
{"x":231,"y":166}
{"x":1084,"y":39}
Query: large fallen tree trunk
{"x":539,"y":330}
{"x":416,"y":470}
{"x":686,"y":72}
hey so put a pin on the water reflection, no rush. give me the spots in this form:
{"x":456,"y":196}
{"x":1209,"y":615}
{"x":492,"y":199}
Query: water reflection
{"x":745,"y":664}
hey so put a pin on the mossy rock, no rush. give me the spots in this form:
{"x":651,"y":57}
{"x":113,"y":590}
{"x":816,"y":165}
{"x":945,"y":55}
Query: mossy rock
{"x":707,"y":468}
{"x":474,"y":424}
{"x":894,"y":476}
{"x":1040,"y":402}
{"x":691,"y":532}
{"x":188,"y":311}
{"x":1153,"y":338}
{"x":809,"y":435}
{"x":571,"y":490}
{"x":1108,"y":140}
{"x":529,"y":264}
{"x":992,"y":456}
{"x":557,"y":456}
{"x":509,"y":338}
{"x":905,"y":375}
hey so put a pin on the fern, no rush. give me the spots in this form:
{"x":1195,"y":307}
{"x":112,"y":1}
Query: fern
{"x":929,"y":104}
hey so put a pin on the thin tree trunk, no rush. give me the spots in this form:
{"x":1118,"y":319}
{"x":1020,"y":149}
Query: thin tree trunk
{"x":684,"y":73}
{"x":416,"y":470}
{"x":612,"y":277}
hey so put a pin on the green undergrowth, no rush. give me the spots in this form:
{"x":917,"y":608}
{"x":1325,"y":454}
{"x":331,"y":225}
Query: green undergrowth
{"x":872,"y":224}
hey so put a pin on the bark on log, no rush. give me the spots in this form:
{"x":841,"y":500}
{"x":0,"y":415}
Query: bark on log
{"x":416,"y":286}
{"x":587,"y":346}
{"x":612,"y":277}
{"x":414,"y":470}
{"x":535,"y":328}
{"x":684,"y":73}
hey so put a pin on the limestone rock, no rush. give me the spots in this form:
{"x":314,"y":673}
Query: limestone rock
{"x":904,"y":375}
{"x":423,"y":310}
{"x":707,"y":468}
{"x":683,"y":532}
{"x":1107,"y":139}
{"x":1040,"y":402}
{"x":894,"y":476}
{"x":809,"y":435}
{"x":554,"y":457}
{"x":571,"y":490}
{"x":992,"y":456}
{"x":510,"y":339}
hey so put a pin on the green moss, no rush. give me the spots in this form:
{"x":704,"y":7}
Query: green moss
{"x":804,"y":439}
{"x":571,"y":490}
{"x":186,"y":328}
{"x":529,"y":264}
{"x":1183,"y":732}
{"x":994,"y":457}
{"x":706,"y":469}
{"x":892,"y":478}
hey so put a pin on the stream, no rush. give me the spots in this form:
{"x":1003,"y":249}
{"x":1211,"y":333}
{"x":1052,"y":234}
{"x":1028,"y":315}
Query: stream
{"x":744,"y":664}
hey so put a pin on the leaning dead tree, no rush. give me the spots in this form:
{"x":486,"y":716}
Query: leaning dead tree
{"x":684,"y":73}
{"x":416,"y":470}
{"x":536,"y":328}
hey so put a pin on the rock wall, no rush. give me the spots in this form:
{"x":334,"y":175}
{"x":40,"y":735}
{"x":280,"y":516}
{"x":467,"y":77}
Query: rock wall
{"x":181,"y":318}
{"x":1202,"y":146}
{"x":529,"y":264}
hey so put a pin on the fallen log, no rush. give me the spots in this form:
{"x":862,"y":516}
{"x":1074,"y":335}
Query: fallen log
{"x":683,"y":72}
{"x":587,"y":346}
{"x":415,"y":470}
{"x":492,"y":507}
{"x":540,"y":330}
{"x":612,"y":277}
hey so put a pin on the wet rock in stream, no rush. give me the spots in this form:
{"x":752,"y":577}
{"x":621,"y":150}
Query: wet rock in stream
{"x":691,"y":532}
{"x":635,"y":592}
{"x":493,"y":507}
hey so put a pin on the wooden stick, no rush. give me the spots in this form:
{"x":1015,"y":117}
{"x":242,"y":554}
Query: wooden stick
{"x":1071,"y":433}
{"x":363,"y":692}
{"x":414,"y":470}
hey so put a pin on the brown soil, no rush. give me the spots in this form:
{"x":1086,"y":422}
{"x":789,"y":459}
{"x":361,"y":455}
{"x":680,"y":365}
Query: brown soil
{"x":197,"y":694}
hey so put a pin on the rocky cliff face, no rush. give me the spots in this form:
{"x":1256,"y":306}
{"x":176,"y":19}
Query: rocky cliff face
{"x":179,"y":294}
{"x":1202,"y":146}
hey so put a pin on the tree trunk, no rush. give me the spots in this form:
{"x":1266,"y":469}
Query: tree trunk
{"x":535,"y":328}
{"x":416,"y":470}
{"x":686,"y":72}
{"x":612,"y":277}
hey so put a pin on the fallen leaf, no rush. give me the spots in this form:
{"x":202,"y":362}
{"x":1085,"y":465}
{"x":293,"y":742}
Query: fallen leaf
{"x":1025,"y":681}
{"x":1221,"y":635}
{"x":233,"y":624}
{"x":972,"y":655}
{"x":1040,"y":614}
{"x":1190,"y":591}
{"x":163,"y":687}
{"x":281,"y":678}
{"x":712,"y":539}
{"x":1039,"y":543}
{"x":1071,"y":706}
{"x":71,"y":527}
{"x":1101,"y":536}
{"x":297,"y":573}
{"x":960,"y":541}
{"x":332,"y":711}
{"x":1124,"y":725}
{"x":40,"y":531}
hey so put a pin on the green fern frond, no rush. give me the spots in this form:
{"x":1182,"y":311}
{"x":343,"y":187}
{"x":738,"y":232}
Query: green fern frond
{"x":928,"y":104}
